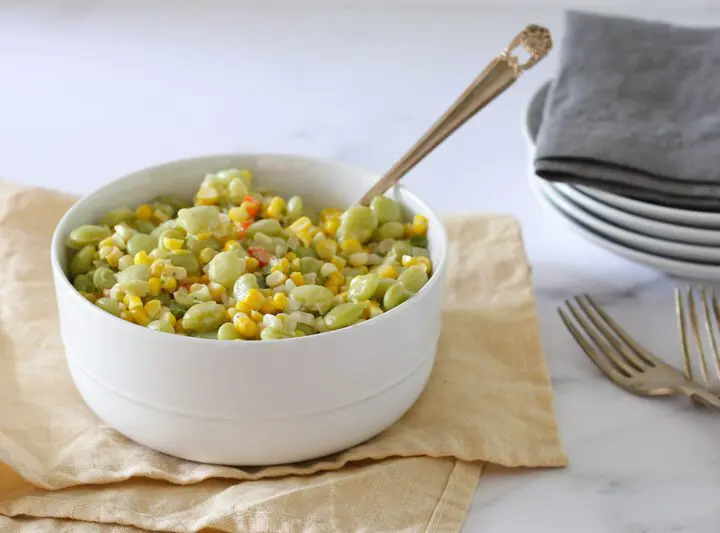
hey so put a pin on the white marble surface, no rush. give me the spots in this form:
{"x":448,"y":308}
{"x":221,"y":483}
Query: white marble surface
{"x":88,"y":93}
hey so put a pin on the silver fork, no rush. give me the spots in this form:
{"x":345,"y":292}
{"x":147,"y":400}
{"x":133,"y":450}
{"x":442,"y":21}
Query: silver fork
{"x":687,"y":311}
{"x":622,"y":359}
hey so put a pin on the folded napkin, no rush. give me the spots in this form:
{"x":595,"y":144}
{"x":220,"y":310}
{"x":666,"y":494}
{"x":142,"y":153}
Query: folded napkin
{"x":635,"y":110}
{"x":488,"y":400}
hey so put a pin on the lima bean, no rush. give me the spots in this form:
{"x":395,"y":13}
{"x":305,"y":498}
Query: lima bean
{"x":363,"y":287}
{"x":386,"y":209}
{"x":414,"y":278}
{"x":161,"y":325}
{"x":87,"y":234}
{"x":395,"y":295}
{"x":344,"y":315}
{"x":108,"y":305}
{"x":141,"y":242}
{"x":134,"y":273}
{"x":357,"y":222}
{"x":225,"y":268}
{"x":82,"y":261}
{"x":227,"y":332}
{"x":313,"y":298}
{"x":104,"y":278}
{"x":204,"y":317}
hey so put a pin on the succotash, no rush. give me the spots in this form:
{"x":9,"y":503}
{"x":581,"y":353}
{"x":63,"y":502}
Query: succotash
{"x":239,"y":264}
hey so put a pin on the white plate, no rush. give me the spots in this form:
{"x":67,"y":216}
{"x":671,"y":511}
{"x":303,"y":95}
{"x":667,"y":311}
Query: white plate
{"x":673,"y":267}
{"x":645,"y":243}
{"x":642,"y":225}
{"x":697,"y":219}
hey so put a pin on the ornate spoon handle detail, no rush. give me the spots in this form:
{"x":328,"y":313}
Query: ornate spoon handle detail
{"x":500,"y":74}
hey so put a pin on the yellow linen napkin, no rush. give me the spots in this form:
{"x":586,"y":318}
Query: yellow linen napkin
{"x":488,"y":400}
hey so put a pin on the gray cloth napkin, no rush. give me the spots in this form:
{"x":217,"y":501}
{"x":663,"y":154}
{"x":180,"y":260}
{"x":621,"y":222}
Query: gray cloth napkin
{"x":635,"y":110}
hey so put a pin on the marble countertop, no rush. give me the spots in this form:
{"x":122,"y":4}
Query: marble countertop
{"x":89,"y":93}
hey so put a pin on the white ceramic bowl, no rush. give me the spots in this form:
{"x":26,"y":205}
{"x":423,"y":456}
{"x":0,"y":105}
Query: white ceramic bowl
{"x":249,"y":403}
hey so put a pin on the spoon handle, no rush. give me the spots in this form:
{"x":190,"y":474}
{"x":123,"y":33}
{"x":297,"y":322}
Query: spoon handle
{"x":500,"y":74}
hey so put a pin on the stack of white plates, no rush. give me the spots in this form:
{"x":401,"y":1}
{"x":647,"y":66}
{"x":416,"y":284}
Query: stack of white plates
{"x":677,"y":241}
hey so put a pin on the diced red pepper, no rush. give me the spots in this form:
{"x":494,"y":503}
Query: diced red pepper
{"x":261,"y":254}
{"x":254,"y":206}
{"x":243,"y":228}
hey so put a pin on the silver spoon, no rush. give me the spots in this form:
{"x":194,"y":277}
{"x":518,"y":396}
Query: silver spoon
{"x":500,"y":74}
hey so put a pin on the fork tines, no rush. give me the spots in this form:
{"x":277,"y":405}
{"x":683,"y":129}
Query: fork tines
{"x":686,"y":308}
{"x":608,"y":345}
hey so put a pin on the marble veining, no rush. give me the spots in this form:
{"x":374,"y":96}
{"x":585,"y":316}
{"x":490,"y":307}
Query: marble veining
{"x":92,"y":90}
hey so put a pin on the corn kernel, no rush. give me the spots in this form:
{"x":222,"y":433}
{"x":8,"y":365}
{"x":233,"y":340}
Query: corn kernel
{"x":333,"y":288}
{"x":171,"y":319}
{"x":179,"y":327}
{"x":335,"y":279}
{"x":245,"y":326}
{"x":251,"y":264}
{"x":152,"y":308}
{"x":275,"y":208}
{"x":339,"y":262}
{"x":408,"y":261}
{"x":133,"y":302}
{"x":254,"y":299}
{"x":268,"y":307}
{"x":300,"y":225}
{"x":330,"y":226}
{"x":256,"y":316}
{"x":291,"y":256}
{"x":297,"y":278}
{"x":238,"y":214}
{"x":230,"y":312}
{"x":326,"y":249}
{"x":206,"y":255}
{"x":387,"y":271}
{"x":351,"y":246}
{"x":203,"y":236}
{"x":419,"y":225}
{"x":173,"y":244}
{"x":372,"y":309}
{"x":305,"y":237}
{"x":207,"y":196}
{"x":231,"y":245}
{"x":158,"y":267}
{"x":113,"y":258}
{"x":89,"y":296}
{"x":243,"y":308}
{"x":216,"y":291}
{"x":127,"y":315}
{"x":140,"y":316}
{"x":330,"y":212}
{"x":168,"y":284}
{"x":282,"y":265}
{"x":280,"y":300}
{"x":144,"y":212}
{"x":142,"y":258}
{"x":295,"y":264}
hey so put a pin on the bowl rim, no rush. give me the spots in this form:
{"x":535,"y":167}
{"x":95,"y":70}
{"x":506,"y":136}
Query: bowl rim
{"x":59,"y":273}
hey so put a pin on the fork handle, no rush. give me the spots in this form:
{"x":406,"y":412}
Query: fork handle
{"x":706,"y":397}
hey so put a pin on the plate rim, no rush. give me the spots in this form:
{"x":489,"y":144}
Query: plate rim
{"x":667,"y":265}
{"x":669,"y":215}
